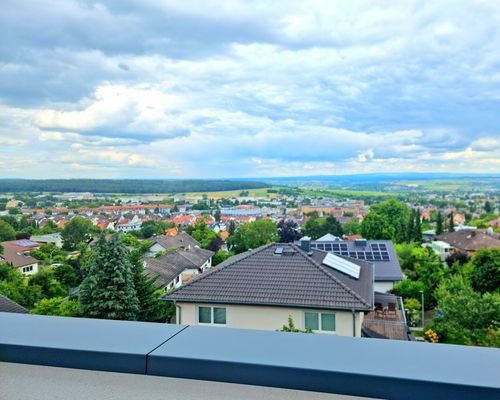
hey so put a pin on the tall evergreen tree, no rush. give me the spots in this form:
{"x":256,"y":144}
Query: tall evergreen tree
{"x":439,"y":223}
{"x":411,"y":226}
{"x":108,"y":290}
{"x":417,"y":237}
{"x":451,"y":226}
{"x":151,"y":307}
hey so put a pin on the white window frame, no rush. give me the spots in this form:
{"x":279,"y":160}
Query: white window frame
{"x":211,"y":323}
{"x":320,"y":330}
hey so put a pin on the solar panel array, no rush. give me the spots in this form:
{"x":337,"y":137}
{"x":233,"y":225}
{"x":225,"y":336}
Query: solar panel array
{"x":375,"y":251}
{"x":342,"y":265}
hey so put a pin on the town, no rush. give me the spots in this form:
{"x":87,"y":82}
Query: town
{"x":418,"y":265}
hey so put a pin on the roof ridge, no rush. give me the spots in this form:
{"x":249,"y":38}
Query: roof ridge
{"x":222,"y":266}
{"x":326,"y":272}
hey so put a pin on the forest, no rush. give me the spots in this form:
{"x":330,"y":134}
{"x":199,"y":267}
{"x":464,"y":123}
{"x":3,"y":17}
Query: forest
{"x":125,"y":185}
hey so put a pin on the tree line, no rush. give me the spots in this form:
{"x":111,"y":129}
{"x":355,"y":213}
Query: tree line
{"x":125,"y":185}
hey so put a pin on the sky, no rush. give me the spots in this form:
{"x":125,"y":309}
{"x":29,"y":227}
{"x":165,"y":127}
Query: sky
{"x":224,"y":89}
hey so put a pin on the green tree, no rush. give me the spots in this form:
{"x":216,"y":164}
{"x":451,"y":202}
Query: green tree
{"x":376,"y":226}
{"x":108,"y":290}
{"x":467,"y":317}
{"x":76,"y":231}
{"x":395,"y":216}
{"x":290,"y":327}
{"x":253,"y":235}
{"x":414,"y":309}
{"x":485,"y":273}
{"x":221,"y":256}
{"x":58,"y":306}
{"x":151,"y":307}
{"x":320,"y":226}
{"x":7,"y":232}
{"x":13,"y":284}
{"x":451,"y":223}
{"x":66,"y":275}
{"x":202,"y":233}
{"x":49,"y":253}
{"x":487,"y":207}
{"x":217,"y":215}
{"x":48,"y":284}
{"x":352,"y":227}
{"x":439,"y":224}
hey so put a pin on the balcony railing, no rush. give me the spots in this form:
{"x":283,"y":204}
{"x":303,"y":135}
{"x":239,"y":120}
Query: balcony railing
{"x":317,"y":363}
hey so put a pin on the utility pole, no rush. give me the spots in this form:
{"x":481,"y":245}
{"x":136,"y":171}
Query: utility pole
{"x":423,"y":315}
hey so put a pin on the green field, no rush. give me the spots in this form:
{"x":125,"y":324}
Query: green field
{"x":346,"y":193}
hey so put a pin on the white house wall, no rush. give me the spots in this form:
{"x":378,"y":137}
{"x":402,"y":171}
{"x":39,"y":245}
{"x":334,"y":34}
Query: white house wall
{"x":268,"y":318}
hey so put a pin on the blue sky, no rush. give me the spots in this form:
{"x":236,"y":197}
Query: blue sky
{"x":210,"y":89}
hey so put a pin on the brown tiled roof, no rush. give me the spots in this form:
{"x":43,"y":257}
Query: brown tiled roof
{"x":470,"y":240}
{"x":15,"y":255}
{"x":294,"y":279}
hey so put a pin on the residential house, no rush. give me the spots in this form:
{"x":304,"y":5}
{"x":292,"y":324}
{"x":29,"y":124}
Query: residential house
{"x":17,"y":253}
{"x":379,"y":252}
{"x":54,"y":238}
{"x":469,"y":241}
{"x":176,"y":267}
{"x":262,"y":288}
{"x":128,"y":225}
{"x":163,"y":242}
{"x":441,"y":248}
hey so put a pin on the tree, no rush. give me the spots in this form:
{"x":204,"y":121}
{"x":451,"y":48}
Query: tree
{"x":217,"y":215}
{"x":253,"y":235}
{"x":288,"y":231}
{"x":108,"y":290}
{"x":202,"y":233}
{"x":48,"y":253}
{"x":451,"y":226}
{"x":485,"y":273}
{"x":376,"y":226}
{"x":457,"y":257}
{"x":13,"y":285}
{"x":414,"y":309}
{"x":7,"y":232}
{"x":467,"y":317}
{"x":439,"y":224}
{"x":352,"y":227}
{"x":290,"y":327}
{"x":320,"y":226}
{"x":151,"y":307}
{"x":232,"y":227}
{"x":417,"y":237}
{"x":66,"y":275}
{"x":394,"y":217}
{"x":76,"y":231}
{"x":221,"y":256}
{"x":153,"y":228}
{"x":58,"y":306}
{"x":48,"y":284}
{"x":487,"y":207}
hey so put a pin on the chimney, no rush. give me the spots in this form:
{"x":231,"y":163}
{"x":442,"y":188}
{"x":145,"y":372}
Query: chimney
{"x":305,"y":244}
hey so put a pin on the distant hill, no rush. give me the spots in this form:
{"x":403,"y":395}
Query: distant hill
{"x":126,"y":185}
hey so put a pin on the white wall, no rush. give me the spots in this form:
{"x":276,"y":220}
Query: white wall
{"x":268,"y":318}
{"x":383,"y":286}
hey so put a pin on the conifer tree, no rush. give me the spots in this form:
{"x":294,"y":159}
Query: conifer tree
{"x":108,"y":290}
{"x":439,"y":224}
{"x":418,"y":227}
{"x":151,"y":307}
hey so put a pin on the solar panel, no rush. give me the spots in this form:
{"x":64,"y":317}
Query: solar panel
{"x":336,"y":247}
{"x":382,"y":246}
{"x":328,"y":247}
{"x":374,"y":246}
{"x":342,"y":265}
{"x":321,"y":247}
{"x":313,"y":245}
{"x":343,"y":247}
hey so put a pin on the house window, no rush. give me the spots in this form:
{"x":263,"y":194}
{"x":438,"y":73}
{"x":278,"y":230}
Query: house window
{"x":28,"y":269}
{"x":321,"y":322}
{"x":212,"y":315}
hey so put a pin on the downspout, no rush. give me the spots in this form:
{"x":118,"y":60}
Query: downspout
{"x":353,"y":323}
{"x":178,"y":312}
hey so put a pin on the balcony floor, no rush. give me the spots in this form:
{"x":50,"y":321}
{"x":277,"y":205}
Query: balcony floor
{"x":33,"y":382}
